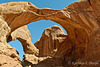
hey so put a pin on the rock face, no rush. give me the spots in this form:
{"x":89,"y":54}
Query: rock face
{"x":48,"y":46}
{"x":7,"y":61}
{"x":23,"y":35}
{"x":4,"y":30}
{"x":32,"y":61}
{"x":83,"y":27}
{"x":50,"y":41}
{"x":8,"y":55}
{"x":13,"y":13}
{"x":81,"y":20}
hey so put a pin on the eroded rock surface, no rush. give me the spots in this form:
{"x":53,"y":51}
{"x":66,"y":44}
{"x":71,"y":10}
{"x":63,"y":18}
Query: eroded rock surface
{"x":50,"y":41}
{"x":81,"y":20}
{"x":23,"y":35}
{"x":8,"y":56}
{"x":7,"y":61}
{"x":48,"y":46}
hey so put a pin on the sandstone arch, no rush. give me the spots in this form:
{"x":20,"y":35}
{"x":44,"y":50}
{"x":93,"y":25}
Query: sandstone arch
{"x":82,"y":22}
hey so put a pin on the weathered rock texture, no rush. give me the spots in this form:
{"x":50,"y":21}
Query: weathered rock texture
{"x":4,"y":30}
{"x":48,"y":46}
{"x":81,"y":20}
{"x":8,"y":55}
{"x":32,"y":60}
{"x":50,"y":41}
{"x":7,"y":61}
{"x":23,"y":35}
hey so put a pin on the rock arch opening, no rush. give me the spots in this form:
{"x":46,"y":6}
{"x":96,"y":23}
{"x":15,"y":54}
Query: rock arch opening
{"x":23,"y":36}
{"x":36,"y":28}
{"x":18,"y":46}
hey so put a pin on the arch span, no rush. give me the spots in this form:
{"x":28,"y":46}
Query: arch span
{"x":80,"y":22}
{"x":26,"y":13}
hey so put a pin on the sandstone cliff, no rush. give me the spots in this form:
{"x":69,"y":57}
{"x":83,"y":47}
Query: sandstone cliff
{"x":50,"y":41}
{"x":8,"y":55}
{"x":81,"y":20}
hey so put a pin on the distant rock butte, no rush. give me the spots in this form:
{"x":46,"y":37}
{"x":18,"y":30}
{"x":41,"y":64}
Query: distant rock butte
{"x":81,"y":20}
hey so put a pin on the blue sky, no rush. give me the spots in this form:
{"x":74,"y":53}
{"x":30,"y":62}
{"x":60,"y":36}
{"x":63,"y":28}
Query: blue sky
{"x":36,"y":28}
